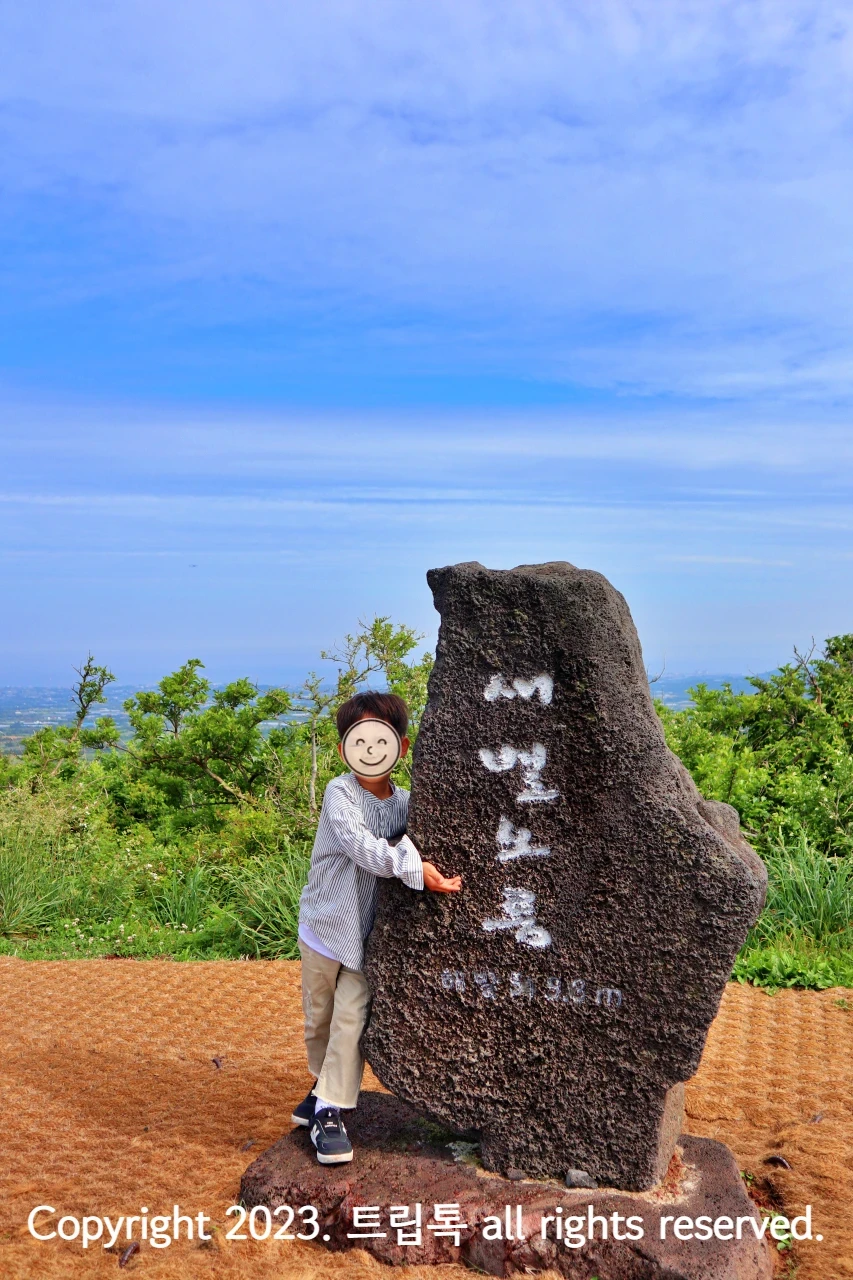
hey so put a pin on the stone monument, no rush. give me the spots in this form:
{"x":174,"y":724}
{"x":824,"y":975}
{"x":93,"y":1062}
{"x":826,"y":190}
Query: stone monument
{"x":539,"y":1025}
{"x":556,"y":1005}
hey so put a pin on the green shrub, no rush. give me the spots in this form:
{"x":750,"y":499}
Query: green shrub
{"x":193,"y":838}
{"x":794,"y":961}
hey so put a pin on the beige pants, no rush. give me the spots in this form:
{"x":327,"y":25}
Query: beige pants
{"x":335,"y":1002}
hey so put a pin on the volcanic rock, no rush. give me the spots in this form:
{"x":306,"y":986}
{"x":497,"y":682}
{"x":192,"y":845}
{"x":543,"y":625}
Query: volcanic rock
{"x":413,"y":1195}
{"x":555,"y":1005}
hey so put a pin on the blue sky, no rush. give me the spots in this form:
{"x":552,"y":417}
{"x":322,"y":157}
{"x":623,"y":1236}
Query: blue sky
{"x":298,"y":301}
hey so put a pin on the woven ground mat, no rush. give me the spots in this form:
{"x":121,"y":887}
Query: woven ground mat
{"x":127,"y":1084}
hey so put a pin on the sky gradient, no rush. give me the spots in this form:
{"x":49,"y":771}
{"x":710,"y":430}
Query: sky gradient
{"x":299,"y":301}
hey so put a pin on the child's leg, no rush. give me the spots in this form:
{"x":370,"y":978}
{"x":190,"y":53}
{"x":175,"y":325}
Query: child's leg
{"x":343,"y":1065}
{"x":319,"y":980}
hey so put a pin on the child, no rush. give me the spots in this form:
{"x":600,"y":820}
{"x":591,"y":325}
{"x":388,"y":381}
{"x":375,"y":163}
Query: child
{"x":360,"y":837}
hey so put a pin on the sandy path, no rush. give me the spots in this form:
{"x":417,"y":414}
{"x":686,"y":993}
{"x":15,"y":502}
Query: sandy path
{"x":111,"y":1101}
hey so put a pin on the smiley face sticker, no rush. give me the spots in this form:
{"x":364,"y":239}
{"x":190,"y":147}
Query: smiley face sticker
{"x":371,"y":748}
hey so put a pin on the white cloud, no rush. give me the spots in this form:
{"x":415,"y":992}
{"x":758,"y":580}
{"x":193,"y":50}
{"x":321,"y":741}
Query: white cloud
{"x":645,"y":196}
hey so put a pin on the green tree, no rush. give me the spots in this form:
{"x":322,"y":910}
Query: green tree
{"x":204,"y":748}
{"x":782,"y":755}
{"x":56,"y":750}
{"x":314,"y":702}
{"x":379,"y":649}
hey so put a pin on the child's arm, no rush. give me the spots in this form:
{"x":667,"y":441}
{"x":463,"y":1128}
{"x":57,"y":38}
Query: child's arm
{"x":367,"y":850}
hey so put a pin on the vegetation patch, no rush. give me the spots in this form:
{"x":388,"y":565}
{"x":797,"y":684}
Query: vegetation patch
{"x":783,"y":756}
{"x":192,"y":838}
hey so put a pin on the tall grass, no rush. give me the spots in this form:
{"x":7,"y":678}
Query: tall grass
{"x":804,"y":936}
{"x":33,"y":887}
{"x":71,"y":887}
{"x":183,"y":898}
{"x":265,"y":903}
{"x":808,"y":892}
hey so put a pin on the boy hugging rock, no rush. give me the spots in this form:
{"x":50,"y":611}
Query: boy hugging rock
{"x":360,"y":837}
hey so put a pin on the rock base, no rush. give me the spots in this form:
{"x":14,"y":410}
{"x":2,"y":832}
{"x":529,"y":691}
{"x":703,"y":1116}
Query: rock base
{"x":403,"y":1159}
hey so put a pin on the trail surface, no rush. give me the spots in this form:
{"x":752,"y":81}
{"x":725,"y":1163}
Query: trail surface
{"x":112,"y":1099}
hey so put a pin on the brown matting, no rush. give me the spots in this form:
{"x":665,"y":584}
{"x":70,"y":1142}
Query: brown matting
{"x":112,"y":1099}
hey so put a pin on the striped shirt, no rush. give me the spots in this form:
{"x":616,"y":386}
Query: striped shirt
{"x":352,"y":848}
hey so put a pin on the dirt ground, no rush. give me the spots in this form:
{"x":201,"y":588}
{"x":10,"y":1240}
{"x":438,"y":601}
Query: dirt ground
{"x":113,"y":1099}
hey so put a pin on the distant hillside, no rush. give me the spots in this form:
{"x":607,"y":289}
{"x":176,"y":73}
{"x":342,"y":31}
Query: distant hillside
{"x":673,"y":690}
{"x":24,"y":710}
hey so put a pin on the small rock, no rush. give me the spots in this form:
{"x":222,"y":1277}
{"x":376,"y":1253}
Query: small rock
{"x":816,"y":1119}
{"x":580,"y":1178}
{"x":515,"y":1175}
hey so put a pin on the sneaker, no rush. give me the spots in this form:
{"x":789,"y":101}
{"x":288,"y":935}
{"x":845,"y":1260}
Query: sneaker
{"x":304,"y":1113}
{"x":330,"y":1137}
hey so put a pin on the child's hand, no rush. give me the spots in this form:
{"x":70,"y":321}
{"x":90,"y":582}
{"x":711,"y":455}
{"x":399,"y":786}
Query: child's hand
{"x":434,"y":880}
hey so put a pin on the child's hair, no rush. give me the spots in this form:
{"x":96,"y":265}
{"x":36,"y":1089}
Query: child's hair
{"x":389,"y":707}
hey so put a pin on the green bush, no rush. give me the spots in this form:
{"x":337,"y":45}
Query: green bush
{"x":793,"y":962}
{"x":783,"y":755}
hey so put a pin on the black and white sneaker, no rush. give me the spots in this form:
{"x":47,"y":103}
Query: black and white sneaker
{"x":330,"y":1137}
{"x":304,"y":1113}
